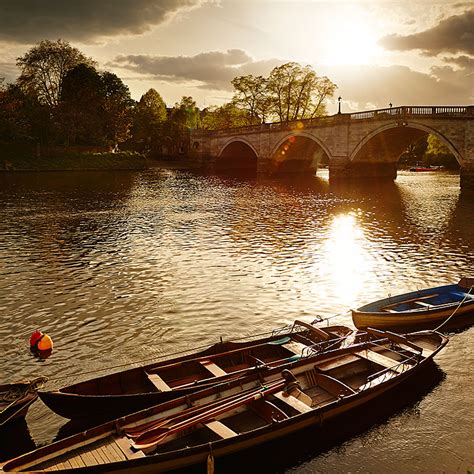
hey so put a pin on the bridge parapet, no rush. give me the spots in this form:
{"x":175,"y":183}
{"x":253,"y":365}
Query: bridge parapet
{"x":419,"y":111}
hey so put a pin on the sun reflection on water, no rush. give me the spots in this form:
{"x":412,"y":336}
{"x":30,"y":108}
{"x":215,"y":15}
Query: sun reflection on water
{"x":347,"y":261}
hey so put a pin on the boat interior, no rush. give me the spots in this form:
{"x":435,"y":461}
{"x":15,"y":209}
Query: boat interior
{"x":332,"y":378}
{"x":430,"y":300}
{"x":185,"y":373}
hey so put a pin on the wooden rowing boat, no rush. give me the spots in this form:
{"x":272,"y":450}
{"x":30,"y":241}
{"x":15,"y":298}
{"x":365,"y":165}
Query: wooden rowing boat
{"x":16,"y":398}
{"x":134,"y":389}
{"x":422,"y":309}
{"x":231,"y":417}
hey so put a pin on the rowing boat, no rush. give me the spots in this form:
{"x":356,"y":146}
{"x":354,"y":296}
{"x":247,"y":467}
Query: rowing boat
{"x":16,"y":398}
{"x":134,"y":389}
{"x":422,"y":309}
{"x":231,"y":417}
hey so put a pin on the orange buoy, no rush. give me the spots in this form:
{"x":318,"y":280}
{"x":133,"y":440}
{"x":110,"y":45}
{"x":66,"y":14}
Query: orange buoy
{"x":45,"y":343}
{"x":35,"y":337}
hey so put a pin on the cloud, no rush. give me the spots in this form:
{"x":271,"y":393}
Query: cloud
{"x":29,"y":21}
{"x":365,"y":87}
{"x":464,"y":62}
{"x":453,"y":35}
{"x":212,"y":70}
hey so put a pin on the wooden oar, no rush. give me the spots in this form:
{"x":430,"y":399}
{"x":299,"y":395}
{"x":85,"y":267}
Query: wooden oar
{"x":136,"y":431}
{"x":153,"y":437}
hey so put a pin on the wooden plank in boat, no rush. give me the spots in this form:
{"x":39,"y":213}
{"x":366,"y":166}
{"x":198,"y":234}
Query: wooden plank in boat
{"x":110,"y":453}
{"x":76,"y":461}
{"x":333,"y":386}
{"x":220,"y":429}
{"x":213,"y":368}
{"x":97,"y":453}
{"x":422,"y":303}
{"x":158,"y":382}
{"x":411,"y":300}
{"x":336,"y":362}
{"x":125,"y":447}
{"x":88,"y":457}
{"x":293,"y":402}
{"x":380,"y":359}
{"x":295,"y":347}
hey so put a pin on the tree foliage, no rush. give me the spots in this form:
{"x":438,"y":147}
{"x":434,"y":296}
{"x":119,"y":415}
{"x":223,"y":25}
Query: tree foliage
{"x":95,"y":108}
{"x":251,"y":95}
{"x":297,"y":92}
{"x":149,"y":115}
{"x":44,"y":67}
{"x":291,"y":92}
{"x":226,"y":116}
{"x":185,"y":114}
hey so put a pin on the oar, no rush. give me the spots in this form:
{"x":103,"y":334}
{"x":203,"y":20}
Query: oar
{"x":136,"y":431}
{"x":153,"y":437}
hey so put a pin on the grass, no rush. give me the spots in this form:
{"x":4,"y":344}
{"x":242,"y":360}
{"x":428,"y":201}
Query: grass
{"x":24,"y":158}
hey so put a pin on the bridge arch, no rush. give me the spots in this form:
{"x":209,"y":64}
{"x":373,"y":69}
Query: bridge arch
{"x":298,"y":152}
{"x":237,"y":154}
{"x":419,"y":130}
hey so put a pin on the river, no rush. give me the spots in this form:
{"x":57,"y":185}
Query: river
{"x":121,"y":267}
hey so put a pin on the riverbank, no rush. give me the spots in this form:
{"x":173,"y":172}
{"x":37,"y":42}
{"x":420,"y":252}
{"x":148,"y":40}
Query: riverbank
{"x":27,"y":160}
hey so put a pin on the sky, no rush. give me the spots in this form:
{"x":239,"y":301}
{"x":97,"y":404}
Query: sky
{"x":377,"y":52}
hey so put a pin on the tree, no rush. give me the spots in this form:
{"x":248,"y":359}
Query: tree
{"x":79,"y":111}
{"x":149,"y":115}
{"x":438,"y":154}
{"x":116,"y":108}
{"x":185,"y":114}
{"x":44,"y":67}
{"x":297,"y":92}
{"x":226,"y":116}
{"x":251,"y":95}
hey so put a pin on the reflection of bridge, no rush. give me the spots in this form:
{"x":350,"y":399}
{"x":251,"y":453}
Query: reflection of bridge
{"x":364,"y":144}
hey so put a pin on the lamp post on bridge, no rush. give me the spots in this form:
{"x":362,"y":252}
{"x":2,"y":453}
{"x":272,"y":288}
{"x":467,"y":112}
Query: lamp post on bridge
{"x":339,"y":103}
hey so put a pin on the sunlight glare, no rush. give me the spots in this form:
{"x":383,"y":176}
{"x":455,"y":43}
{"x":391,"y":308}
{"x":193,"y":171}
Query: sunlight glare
{"x":347,"y":262}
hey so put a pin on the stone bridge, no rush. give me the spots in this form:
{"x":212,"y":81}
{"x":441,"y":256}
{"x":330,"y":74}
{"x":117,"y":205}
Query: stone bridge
{"x":360,"y":145}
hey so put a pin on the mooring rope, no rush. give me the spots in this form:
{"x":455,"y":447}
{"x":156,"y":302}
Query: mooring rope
{"x":455,"y":309}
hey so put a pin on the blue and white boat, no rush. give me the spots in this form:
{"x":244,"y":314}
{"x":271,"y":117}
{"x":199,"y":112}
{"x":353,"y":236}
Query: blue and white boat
{"x":443,"y":307}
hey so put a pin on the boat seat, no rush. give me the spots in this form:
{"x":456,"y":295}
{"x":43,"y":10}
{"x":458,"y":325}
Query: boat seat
{"x":333,"y":386}
{"x":220,"y":429}
{"x":213,"y":368}
{"x":125,"y":446}
{"x":336,"y":362}
{"x":382,"y":360}
{"x":158,"y":382}
{"x":295,"y":347}
{"x":422,"y":303}
{"x":292,"y":401}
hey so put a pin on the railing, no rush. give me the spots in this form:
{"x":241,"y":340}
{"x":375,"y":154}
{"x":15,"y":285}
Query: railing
{"x":426,"y":110}
{"x":443,"y":111}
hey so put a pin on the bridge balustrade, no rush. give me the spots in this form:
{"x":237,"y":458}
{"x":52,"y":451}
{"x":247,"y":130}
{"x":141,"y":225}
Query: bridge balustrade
{"x":402,"y":111}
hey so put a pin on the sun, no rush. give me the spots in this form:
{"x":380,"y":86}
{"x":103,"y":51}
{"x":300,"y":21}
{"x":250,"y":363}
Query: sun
{"x":350,"y":44}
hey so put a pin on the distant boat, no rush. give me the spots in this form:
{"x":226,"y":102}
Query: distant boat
{"x":233,"y":417}
{"x":422,"y":309}
{"x":426,"y":168}
{"x":133,"y":389}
